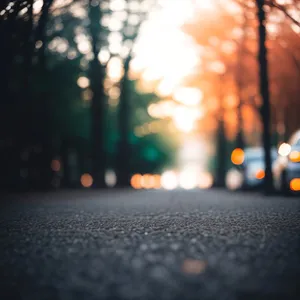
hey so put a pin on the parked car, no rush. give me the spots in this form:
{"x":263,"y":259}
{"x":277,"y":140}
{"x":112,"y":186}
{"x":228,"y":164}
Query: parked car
{"x":287,"y":166}
{"x":250,"y":172}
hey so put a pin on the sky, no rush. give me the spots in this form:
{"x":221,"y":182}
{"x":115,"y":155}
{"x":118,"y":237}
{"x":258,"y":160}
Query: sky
{"x":163,"y":51}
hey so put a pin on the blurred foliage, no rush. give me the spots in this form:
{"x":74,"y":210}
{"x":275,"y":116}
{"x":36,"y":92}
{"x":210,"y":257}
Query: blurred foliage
{"x":48,"y":114}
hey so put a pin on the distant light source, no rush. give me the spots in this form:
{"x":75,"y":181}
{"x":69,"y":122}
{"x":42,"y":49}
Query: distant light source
{"x":37,"y":6}
{"x":260,"y":174}
{"x":110,"y":178}
{"x":205,"y":181}
{"x":157,"y":181}
{"x":238,"y":156}
{"x":294,"y":156}
{"x":55,"y":165}
{"x":38,"y":44}
{"x":183,"y":119}
{"x":188,"y":179}
{"x":234,"y":179}
{"x":284,"y":149}
{"x":86,"y":180}
{"x":83,"y":82}
{"x":147,"y":181}
{"x":136,"y":181}
{"x":169,"y":180}
{"x":104,"y":56}
{"x":295,"y":185}
{"x":188,"y":96}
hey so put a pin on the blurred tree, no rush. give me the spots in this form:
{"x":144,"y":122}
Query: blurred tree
{"x":98,"y":99}
{"x":232,"y":44}
{"x":151,"y":140}
{"x":137,"y":11}
{"x":264,"y":83}
{"x":222,"y":64}
{"x":264,"y":91}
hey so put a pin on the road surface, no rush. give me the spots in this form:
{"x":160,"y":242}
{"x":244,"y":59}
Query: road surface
{"x":149,"y":245}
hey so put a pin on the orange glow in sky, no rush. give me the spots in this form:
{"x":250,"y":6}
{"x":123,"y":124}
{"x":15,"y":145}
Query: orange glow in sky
{"x":164,"y":53}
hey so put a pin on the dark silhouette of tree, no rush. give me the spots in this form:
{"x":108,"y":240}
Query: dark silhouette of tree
{"x":264,"y":85}
{"x":124,"y":149}
{"x":264,"y":90}
{"x":240,"y":140}
{"x":98,"y":99}
{"x":221,"y":142}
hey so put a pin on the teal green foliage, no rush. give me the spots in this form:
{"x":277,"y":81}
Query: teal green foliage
{"x":152,"y":152}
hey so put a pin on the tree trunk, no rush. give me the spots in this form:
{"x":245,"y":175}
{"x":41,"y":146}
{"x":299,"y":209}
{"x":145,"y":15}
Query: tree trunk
{"x":9,"y":134}
{"x":221,"y":155}
{"x":264,"y":90}
{"x":29,"y":46}
{"x":43,"y":116}
{"x":240,"y":141}
{"x":124,"y":155}
{"x":98,"y":100}
{"x":221,"y":141}
{"x":41,"y":30}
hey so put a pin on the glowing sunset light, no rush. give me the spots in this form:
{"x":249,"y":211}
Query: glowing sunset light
{"x":184,"y":119}
{"x":168,"y":54}
{"x":206,"y":5}
{"x":188,"y":96}
{"x":115,"y":68}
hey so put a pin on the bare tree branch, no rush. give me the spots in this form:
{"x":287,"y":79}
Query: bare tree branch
{"x":283,"y":9}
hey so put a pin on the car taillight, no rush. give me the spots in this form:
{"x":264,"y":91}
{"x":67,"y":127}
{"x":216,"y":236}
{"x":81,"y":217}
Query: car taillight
{"x":260,"y":174}
{"x":294,"y":156}
{"x":295,"y":185}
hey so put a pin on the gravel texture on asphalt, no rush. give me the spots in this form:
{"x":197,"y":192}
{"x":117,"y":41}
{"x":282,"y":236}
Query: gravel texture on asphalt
{"x":149,"y":245}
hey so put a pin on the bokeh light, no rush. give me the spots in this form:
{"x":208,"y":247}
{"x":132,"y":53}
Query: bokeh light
{"x":188,"y":179}
{"x":206,"y":180}
{"x":169,"y":180}
{"x":86,"y":180}
{"x":260,"y":174}
{"x":237,"y":156}
{"x":157,"y":181}
{"x":147,"y":181}
{"x":284,"y":149}
{"x":136,"y":181}
{"x":295,"y":185}
{"x":234,"y":179}
{"x":110,"y":178}
{"x":55,"y":165}
{"x":83,"y":82}
{"x":295,"y":156}
{"x":188,"y":96}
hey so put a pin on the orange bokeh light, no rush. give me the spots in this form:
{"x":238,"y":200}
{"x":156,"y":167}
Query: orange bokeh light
{"x":260,"y":174}
{"x":238,"y":156}
{"x":86,"y":180}
{"x":295,"y":156}
{"x":55,"y":165}
{"x":136,"y":181}
{"x":295,"y":185}
{"x":148,"y":181}
{"x":157,"y":181}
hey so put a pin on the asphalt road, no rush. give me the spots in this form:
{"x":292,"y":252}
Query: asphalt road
{"x":149,"y":245}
